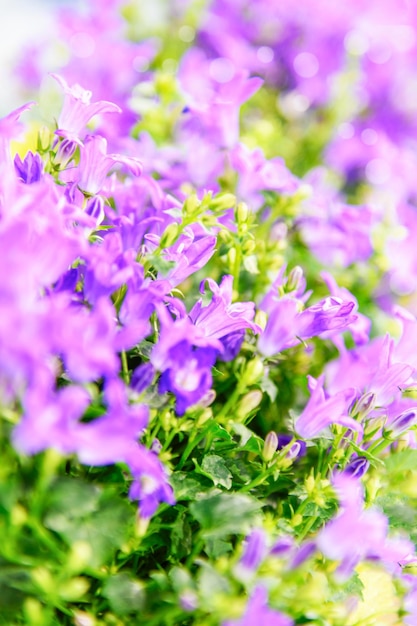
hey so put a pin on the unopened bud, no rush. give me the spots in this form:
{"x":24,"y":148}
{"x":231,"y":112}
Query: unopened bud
{"x":249,"y":246}
{"x":364,"y":405}
{"x":261,"y":318}
{"x":231,"y":256}
{"x":373,"y":426}
{"x":294,"y":278}
{"x":223,"y":201}
{"x":169,"y":236}
{"x":248,"y":403}
{"x":65,"y":152}
{"x":44,"y":139}
{"x":79,"y":556}
{"x":357,"y":468}
{"x":254,"y":371}
{"x":242,"y":213}
{"x":270,"y":446}
{"x":401,"y":423}
{"x":191,"y":204}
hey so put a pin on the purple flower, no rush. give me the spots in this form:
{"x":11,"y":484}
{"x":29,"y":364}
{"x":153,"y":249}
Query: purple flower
{"x":150,"y":483}
{"x":257,"y":612}
{"x":321,"y":411}
{"x":9,"y":129}
{"x":188,"y":375}
{"x":357,"y":533}
{"x":77,"y":109}
{"x":190,"y":253}
{"x":255,"y":550}
{"x":95,"y":164}
{"x":401,"y":423}
{"x":357,"y":468}
{"x":142,"y":377}
{"x":221,"y":317}
{"x":30,"y":169}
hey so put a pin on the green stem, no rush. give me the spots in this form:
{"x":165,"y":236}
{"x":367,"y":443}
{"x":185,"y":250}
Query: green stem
{"x":125,"y":367}
{"x":192,"y":443}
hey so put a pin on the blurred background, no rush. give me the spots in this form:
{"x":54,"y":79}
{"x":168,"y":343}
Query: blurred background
{"x":22,"y":23}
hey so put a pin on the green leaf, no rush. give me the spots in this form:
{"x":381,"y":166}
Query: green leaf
{"x":401,"y":461}
{"x":215,"y":468}
{"x":124,"y":594}
{"x":225,"y":514}
{"x":188,"y":485}
{"x":217,"y":547}
{"x":80,"y":512}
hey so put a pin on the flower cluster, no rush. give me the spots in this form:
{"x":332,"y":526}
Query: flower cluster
{"x":207,"y":306}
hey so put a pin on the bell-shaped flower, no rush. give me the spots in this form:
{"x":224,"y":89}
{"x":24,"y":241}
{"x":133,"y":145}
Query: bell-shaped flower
{"x":78,"y":109}
{"x":221,"y":317}
{"x":321,"y":411}
{"x":95,"y":164}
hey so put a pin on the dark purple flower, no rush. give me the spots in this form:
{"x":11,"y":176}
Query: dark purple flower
{"x":188,"y":375}
{"x":357,"y":468}
{"x":30,"y":169}
{"x":401,"y":423}
{"x":142,"y":377}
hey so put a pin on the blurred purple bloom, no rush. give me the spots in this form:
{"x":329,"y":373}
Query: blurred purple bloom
{"x":255,"y":550}
{"x":357,"y":533}
{"x":258,"y":612}
{"x":9,"y":129}
{"x":142,"y":377}
{"x":321,"y":411}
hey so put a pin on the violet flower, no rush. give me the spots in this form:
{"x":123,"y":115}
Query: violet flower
{"x":30,"y":169}
{"x":95,"y":164}
{"x":188,"y":375}
{"x":77,"y":110}
{"x":321,"y":411}
{"x":357,"y":533}
{"x":221,"y":317}
{"x":9,"y":129}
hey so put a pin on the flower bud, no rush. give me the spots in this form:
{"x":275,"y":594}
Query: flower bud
{"x":261,"y":318}
{"x":223,"y":201}
{"x":254,"y":371}
{"x":248,"y":403}
{"x":294,"y":278}
{"x":65,"y":152}
{"x":270,"y":446}
{"x":364,"y":405}
{"x":401,"y":423}
{"x":169,"y":236}
{"x":357,"y":468}
{"x":191,"y":204}
{"x":242,"y":213}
